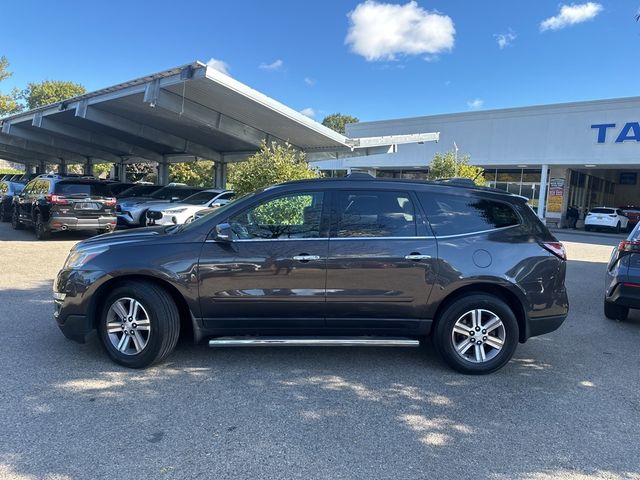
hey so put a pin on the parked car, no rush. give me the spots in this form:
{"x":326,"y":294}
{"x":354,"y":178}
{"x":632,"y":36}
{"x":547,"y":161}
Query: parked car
{"x":133,"y":211}
{"x":344,"y":261}
{"x":606,"y":218}
{"x":623,"y":278}
{"x":53,"y":203}
{"x":184,"y":211}
{"x":633,"y":214}
{"x":8,"y":189}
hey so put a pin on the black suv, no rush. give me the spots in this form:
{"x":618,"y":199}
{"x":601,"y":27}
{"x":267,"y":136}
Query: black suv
{"x":352,"y":261}
{"x":52,"y":203}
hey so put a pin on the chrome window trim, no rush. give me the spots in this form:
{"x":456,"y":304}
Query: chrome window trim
{"x":414,"y":237}
{"x":478,"y":232}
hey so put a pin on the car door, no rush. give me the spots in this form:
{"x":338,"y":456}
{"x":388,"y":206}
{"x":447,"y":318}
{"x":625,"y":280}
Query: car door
{"x":24,"y":200}
{"x":272,"y":273}
{"x":382,"y":261}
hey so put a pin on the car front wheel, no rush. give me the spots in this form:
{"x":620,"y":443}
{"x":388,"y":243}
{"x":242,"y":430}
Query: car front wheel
{"x":139,"y":324}
{"x":476,"y":334}
{"x":42,"y":231}
{"x":15,"y":220}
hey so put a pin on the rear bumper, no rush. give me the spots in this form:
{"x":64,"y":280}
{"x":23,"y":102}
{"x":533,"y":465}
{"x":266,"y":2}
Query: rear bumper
{"x":625,"y":296}
{"x":542,"y":325}
{"x":75,"y":223}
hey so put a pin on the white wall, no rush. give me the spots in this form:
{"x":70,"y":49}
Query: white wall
{"x":552,"y":134}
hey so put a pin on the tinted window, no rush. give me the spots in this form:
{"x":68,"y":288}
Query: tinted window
{"x":140,"y":191}
{"x":226,"y":196}
{"x":290,"y":216}
{"x":608,"y":211}
{"x":167,"y":193}
{"x":82,"y":188}
{"x":458,"y":214}
{"x":374,"y":214}
{"x":200,"y":198}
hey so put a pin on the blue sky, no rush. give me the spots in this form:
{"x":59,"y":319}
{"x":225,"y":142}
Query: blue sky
{"x":443,"y":56}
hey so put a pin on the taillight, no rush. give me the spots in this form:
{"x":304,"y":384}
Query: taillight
{"x":57,"y":199}
{"x":557,"y":248}
{"x":629,"y":246}
{"x":109,"y":202}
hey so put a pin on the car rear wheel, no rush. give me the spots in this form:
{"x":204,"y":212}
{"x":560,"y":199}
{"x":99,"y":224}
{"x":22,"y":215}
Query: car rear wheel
{"x":5,"y":212}
{"x":476,"y":334}
{"x":42,"y":231}
{"x":139,"y":324}
{"x":615,"y":312}
{"x":15,"y":220}
{"x":618,"y":227}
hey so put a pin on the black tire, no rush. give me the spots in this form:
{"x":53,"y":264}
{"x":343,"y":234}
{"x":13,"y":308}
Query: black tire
{"x":164,"y":320}
{"x":143,"y":219}
{"x":15,"y":220}
{"x":444,"y":343}
{"x":5,"y":212}
{"x":615,"y":312}
{"x":42,"y":231}
{"x":618,"y":226}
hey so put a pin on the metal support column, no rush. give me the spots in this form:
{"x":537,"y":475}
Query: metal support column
{"x":163,"y":173}
{"x":220,"y":175}
{"x":62,"y":169}
{"x":542,"y":202}
{"x":88,"y":167}
{"x":41,"y":168}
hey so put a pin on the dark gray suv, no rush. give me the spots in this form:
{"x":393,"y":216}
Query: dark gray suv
{"x":351,"y":261}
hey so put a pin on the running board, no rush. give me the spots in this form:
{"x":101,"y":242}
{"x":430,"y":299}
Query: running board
{"x":313,"y":342}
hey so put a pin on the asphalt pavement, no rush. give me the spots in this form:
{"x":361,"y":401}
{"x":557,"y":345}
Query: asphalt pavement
{"x":567,"y":406}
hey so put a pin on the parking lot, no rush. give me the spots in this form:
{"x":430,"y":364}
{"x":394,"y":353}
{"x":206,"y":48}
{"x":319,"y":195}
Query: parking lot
{"x":567,"y":406}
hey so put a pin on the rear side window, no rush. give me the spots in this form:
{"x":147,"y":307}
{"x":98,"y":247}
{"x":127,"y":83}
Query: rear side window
{"x":4,"y":187}
{"x":374,"y":214}
{"x":460,"y":214}
{"x":82,"y":189}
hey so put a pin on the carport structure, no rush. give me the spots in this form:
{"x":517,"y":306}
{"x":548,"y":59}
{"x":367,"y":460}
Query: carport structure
{"x":183,"y":114}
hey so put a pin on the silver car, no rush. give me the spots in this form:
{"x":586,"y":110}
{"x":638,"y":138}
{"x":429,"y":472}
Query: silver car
{"x":177,"y":213}
{"x":132,"y":211}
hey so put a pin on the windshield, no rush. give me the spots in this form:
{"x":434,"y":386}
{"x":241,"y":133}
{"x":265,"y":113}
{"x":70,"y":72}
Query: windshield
{"x":215,"y":213}
{"x":139,"y":191}
{"x":200,"y":198}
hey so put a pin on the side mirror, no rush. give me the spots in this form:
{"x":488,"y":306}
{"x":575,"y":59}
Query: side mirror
{"x":223,"y":233}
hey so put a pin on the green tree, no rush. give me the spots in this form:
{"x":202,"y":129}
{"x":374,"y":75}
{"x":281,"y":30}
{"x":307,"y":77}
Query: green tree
{"x":338,"y":121}
{"x":195,"y":174}
{"x":445,"y":165}
{"x":274,"y":163}
{"x":50,"y":91}
{"x":8,"y":103}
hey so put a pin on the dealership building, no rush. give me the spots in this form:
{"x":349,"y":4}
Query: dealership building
{"x":582,"y":154}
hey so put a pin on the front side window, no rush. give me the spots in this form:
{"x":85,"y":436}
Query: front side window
{"x":460,"y":214}
{"x":296,"y":215}
{"x":374,"y":214}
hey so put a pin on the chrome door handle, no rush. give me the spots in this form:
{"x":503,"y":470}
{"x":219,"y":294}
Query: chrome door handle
{"x":306,"y":258}
{"x":417,"y":256}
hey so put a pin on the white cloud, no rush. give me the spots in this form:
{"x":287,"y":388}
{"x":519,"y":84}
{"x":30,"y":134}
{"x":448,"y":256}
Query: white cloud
{"x":308,"y":112}
{"x":505,"y":39}
{"x":382,"y":31}
{"x":571,"y":15}
{"x":310,"y":81}
{"x":218,"y":65}
{"x":475,"y":104}
{"x":276,"y":65}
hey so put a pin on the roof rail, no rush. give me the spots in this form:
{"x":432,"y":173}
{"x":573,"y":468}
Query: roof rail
{"x":457,"y":181}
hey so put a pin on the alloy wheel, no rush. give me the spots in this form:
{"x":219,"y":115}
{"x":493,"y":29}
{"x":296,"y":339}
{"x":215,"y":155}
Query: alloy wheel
{"x":128,"y":326}
{"x":478,"y":336}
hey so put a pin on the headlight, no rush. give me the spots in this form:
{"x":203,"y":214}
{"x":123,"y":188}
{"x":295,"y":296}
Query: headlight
{"x":78,"y":258}
{"x":175,"y":210}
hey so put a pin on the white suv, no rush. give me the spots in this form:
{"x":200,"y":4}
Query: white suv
{"x":184,"y":211}
{"x":606,"y":217}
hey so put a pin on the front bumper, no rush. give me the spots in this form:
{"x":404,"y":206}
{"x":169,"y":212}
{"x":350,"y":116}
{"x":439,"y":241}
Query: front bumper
{"x":130,"y":216}
{"x":73,"y":307}
{"x":74,"y":223}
